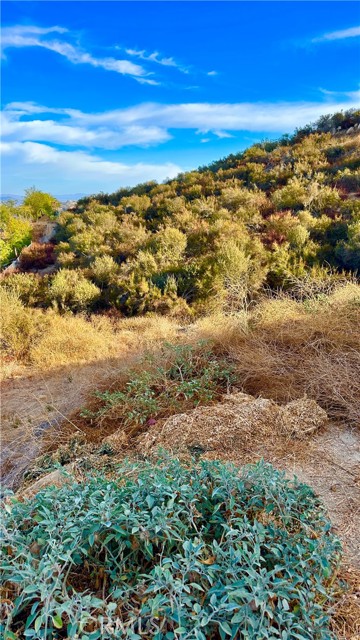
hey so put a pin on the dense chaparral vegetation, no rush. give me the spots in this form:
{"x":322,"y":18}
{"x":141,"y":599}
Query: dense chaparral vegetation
{"x":212,"y":237}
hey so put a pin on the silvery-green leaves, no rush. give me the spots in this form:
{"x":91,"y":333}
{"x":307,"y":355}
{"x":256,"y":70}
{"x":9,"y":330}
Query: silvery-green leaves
{"x":169,"y":551}
{"x":187,"y":375}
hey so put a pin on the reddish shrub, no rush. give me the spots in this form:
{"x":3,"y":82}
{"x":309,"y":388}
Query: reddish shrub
{"x":37,"y":256}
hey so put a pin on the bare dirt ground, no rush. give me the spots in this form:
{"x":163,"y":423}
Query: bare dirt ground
{"x":331,"y":465}
{"x":34,"y":406}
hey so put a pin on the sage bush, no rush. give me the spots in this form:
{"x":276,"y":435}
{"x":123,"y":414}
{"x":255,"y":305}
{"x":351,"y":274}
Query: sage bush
{"x":169,"y":550}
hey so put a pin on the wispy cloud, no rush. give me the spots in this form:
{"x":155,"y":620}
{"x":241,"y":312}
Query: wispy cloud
{"x":222,"y":134}
{"x":157,"y":59}
{"x":43,"y":165}
{"x":76,"y":129}
{"x":354,"y":96}
{"x":343,"y":34}
{"x":151,"y":124}
{"x":61,"y":41}
{"x":219,"y":133}
{"x":32,"y":36}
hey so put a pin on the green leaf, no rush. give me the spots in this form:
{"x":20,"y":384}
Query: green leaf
{"x":58,"y":623}
{"x":226,"y":628}
{"x":38,"y":623}
{"x":30,"y":588}
{"x":285,"y":605}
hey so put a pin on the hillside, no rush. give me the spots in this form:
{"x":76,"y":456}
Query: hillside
{"x":151,"y":339}
{"x":270,"y":216}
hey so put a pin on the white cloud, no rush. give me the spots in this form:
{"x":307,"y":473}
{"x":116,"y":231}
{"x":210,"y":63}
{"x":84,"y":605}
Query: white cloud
{"x":352,"y":32}
{"x":29,"y":154}
{"x":72,"y":129}
{"x":153,"y":123}
{"x":75,"y":170}
{"x":222,"y":134}
{"x":72,"y":135}
{"x":32,"y":36}
{"x":155,"y":57}
{"x":212,"y":73}
{"x":204,"y":117}
{"x":19,"y":35}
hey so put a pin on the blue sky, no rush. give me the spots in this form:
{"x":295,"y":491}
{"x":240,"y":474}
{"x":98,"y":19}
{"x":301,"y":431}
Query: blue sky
{"x":99,"y":95}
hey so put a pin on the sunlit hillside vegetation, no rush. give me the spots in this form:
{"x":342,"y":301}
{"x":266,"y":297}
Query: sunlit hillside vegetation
{"x":210,"y":239}
{"x":17,"y":222}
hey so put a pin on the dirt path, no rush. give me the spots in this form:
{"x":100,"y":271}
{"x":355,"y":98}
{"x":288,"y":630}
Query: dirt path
{"x":331,"y":466}
{"x":33,"y":407}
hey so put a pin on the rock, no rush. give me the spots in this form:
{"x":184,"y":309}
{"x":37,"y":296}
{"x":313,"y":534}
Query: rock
{"x":56,"y":478}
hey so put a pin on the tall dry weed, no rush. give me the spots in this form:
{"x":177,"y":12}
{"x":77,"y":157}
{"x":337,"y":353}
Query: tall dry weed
{"x":45,"y":339}
{"x":292,"y":348}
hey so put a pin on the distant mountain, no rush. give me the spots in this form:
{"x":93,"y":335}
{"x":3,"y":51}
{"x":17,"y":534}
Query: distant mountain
{"x":62,"y":198}
{"x":70,"y":196}
{"x":9,"y":196}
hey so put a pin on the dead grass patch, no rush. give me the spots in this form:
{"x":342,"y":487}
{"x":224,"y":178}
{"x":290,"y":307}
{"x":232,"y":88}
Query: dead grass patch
{"x":290,"y":349}
{"x":45,"y":339}
{"x":240,"y":423}
{"x":345,"y":619}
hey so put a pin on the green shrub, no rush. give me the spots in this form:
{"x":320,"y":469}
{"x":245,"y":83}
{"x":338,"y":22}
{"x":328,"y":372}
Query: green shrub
{"x":348,"y":180}
{"x":184,"y":377}
{"x":30,"y":288}
{"x":170,"y":551}
{"x":15,"y":232}
{"x":168,"y":245}
{"x":292,"y":196}
{"x":104,"y":270}
{"x":38,"y":203}
{"x":70,"y":289}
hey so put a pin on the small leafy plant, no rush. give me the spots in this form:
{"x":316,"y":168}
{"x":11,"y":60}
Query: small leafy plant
{"x":185,"y":377}
{"x":170,"y":551}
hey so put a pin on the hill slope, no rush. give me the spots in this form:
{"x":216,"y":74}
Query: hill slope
{"x":270,"y":216}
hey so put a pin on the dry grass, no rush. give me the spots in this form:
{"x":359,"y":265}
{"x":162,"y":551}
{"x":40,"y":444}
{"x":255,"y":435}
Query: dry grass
{"x":346,"y":611}
{"x":239,"y":423}
{"x":288,"y":349}
{"x":73,"y":339}
{"x":45,"y":339}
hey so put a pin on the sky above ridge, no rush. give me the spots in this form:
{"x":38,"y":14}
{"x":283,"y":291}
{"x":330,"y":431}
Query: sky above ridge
{"x":99,"y":95}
